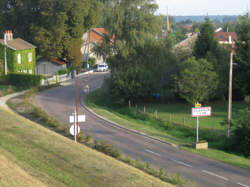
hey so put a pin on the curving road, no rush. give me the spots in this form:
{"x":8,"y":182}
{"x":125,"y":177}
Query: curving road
{"x":59,"y":102}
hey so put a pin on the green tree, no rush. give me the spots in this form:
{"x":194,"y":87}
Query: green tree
{"x":197,"y":81}
{"x":242,"y":133}
{"x":55,"y":27}
{"x":207,"y":47}
{"x":206,"y":41}
{"x":242,"y":73}
{"x":134,"y":56}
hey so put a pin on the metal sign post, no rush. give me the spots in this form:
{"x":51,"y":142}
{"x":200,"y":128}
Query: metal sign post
{"x":197,"y":129}
{"x":75,"y":129}
{"x":197,"y":112}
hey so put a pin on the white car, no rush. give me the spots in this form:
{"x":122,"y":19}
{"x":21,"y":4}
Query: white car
{"x":102,"y":67}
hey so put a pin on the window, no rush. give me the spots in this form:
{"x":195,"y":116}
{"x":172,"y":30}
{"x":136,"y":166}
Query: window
{"x":19,"y":58}
{"x":25,"y":71}
{"x":30,"y":71}
{"x":30,"y":57}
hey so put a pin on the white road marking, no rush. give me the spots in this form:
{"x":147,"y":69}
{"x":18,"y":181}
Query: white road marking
{"x":213,"y":174}
{"x":182,"y":163}
{"x":157,"y":154}
{"x":242,"y":184}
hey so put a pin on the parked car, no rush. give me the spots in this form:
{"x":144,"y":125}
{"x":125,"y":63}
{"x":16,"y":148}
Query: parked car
{"x":102,"y":67}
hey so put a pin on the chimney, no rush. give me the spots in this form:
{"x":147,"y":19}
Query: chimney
{"x":8,"y":35}
{"x":230,"y":39}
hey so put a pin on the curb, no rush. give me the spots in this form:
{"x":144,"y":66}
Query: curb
{"x":5,"y":98}
{"x":124,"y":128}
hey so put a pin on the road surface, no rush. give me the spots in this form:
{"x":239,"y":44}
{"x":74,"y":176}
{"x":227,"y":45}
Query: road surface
{"x":60,"y":102}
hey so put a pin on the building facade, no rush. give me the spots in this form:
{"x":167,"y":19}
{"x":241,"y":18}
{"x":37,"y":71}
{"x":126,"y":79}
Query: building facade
{"x":20,"y":55}
{"x":49,"y":67}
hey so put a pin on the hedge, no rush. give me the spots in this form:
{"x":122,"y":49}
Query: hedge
{"x":25,"y":80}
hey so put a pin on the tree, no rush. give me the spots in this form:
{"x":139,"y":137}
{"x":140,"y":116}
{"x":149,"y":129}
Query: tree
{"x":207,"y":47}
{"x":134,"y":56}
{"x":197,"y":80}
{"x":206,"y":41}
{"x":242,"y":73}
{"x":242,"y":133}
{"x":55,"y":27}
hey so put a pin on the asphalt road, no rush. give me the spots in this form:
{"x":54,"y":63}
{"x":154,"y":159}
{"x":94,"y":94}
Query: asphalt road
{"x":60,"y":102}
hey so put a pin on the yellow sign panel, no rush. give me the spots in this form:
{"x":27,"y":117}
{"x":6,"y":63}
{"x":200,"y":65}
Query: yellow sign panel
{"x":197,"y":105}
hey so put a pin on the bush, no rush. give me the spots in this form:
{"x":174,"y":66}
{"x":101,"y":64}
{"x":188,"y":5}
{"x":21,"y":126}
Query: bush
{"x":106,"y":148}
{"x":25,"y":80}
{"x":63,"y":71}
{"x":242,"y":133}
{"x":3,"y":80}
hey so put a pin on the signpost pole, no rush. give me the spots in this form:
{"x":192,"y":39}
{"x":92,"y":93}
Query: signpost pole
{"x":75,"y":125}
{"x":197,"y":130}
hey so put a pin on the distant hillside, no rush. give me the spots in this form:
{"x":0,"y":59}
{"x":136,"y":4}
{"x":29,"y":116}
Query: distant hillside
{"x":221,"y":18}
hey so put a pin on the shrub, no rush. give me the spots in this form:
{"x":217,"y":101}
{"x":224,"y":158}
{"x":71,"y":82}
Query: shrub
{"x":3,"y":80}
{"x":242,"y":133}
{"x":63,"y":71}
{"x":25,"y":80}
{"x":106,"y":148}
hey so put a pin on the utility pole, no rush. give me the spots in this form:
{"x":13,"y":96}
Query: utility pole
{"x":5,"y":54}
{"x":230,"y":94}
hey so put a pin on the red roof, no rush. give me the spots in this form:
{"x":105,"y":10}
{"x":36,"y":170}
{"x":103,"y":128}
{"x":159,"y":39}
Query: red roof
{"x":224,"y":36}
{"x":96,"y":35}
{"x":58,"y":62}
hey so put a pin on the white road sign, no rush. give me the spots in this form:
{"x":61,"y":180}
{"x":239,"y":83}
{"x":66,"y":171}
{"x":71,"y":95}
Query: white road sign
{"x":202,"y":111}
{"x":72,"y":130}
{"x":81,"y":118}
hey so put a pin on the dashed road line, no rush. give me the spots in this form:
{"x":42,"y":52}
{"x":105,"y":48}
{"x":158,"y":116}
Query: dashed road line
{"x":152,"y":152}
{"x":242,"y":184}
{"x":182,"y":163}
{"x":214,"y":174}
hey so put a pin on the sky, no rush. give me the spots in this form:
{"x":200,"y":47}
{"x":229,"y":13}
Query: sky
{"x":203,"y":7}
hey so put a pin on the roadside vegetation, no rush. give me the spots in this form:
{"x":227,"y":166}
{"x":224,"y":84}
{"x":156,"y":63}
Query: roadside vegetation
{"x":32,"y":155}
{"x":173,"y":122}
{"x":151,"y":72}
{"x":23,"y":106}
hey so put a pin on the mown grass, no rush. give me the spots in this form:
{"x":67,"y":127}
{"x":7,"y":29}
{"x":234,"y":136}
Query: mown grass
{"x":22,"y":105}
{"x":173,"y":122}
{"x":48,"y":158}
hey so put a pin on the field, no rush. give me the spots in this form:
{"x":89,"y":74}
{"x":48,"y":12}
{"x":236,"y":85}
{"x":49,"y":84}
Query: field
{"x":31,"y":155}
{"x":173,"y":123}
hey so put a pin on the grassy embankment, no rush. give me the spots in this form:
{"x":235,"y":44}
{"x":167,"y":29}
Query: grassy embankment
{"x":22,"y":105}
{"x":31,"y":155}
{"x":173,"y":123}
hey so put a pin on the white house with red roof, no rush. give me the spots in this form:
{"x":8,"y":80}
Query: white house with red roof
{"x":228,"y":38}
{"x":90,"y":39}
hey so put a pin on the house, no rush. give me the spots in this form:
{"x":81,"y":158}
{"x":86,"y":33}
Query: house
{"x":49,"y":67}
{"x":228,"y":38}
{"x":20,"y":55}
{"x":90,"y":39}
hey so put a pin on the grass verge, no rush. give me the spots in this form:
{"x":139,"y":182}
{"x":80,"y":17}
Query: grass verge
{"x":54,"y":160}
{"x":22,"y":106}
{"x":8,"y":89}
{"x":158,"y":120}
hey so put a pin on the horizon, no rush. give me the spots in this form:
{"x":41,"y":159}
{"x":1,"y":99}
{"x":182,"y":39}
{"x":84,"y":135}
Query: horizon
{"x":202,"y":8}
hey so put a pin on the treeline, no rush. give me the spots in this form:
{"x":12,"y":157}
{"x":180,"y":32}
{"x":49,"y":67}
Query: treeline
{"x":54,"y":26}
{"x":143,"y":66}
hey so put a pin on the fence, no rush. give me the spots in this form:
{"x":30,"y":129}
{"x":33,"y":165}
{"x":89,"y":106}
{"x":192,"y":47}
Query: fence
{"x":61,"y":78}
